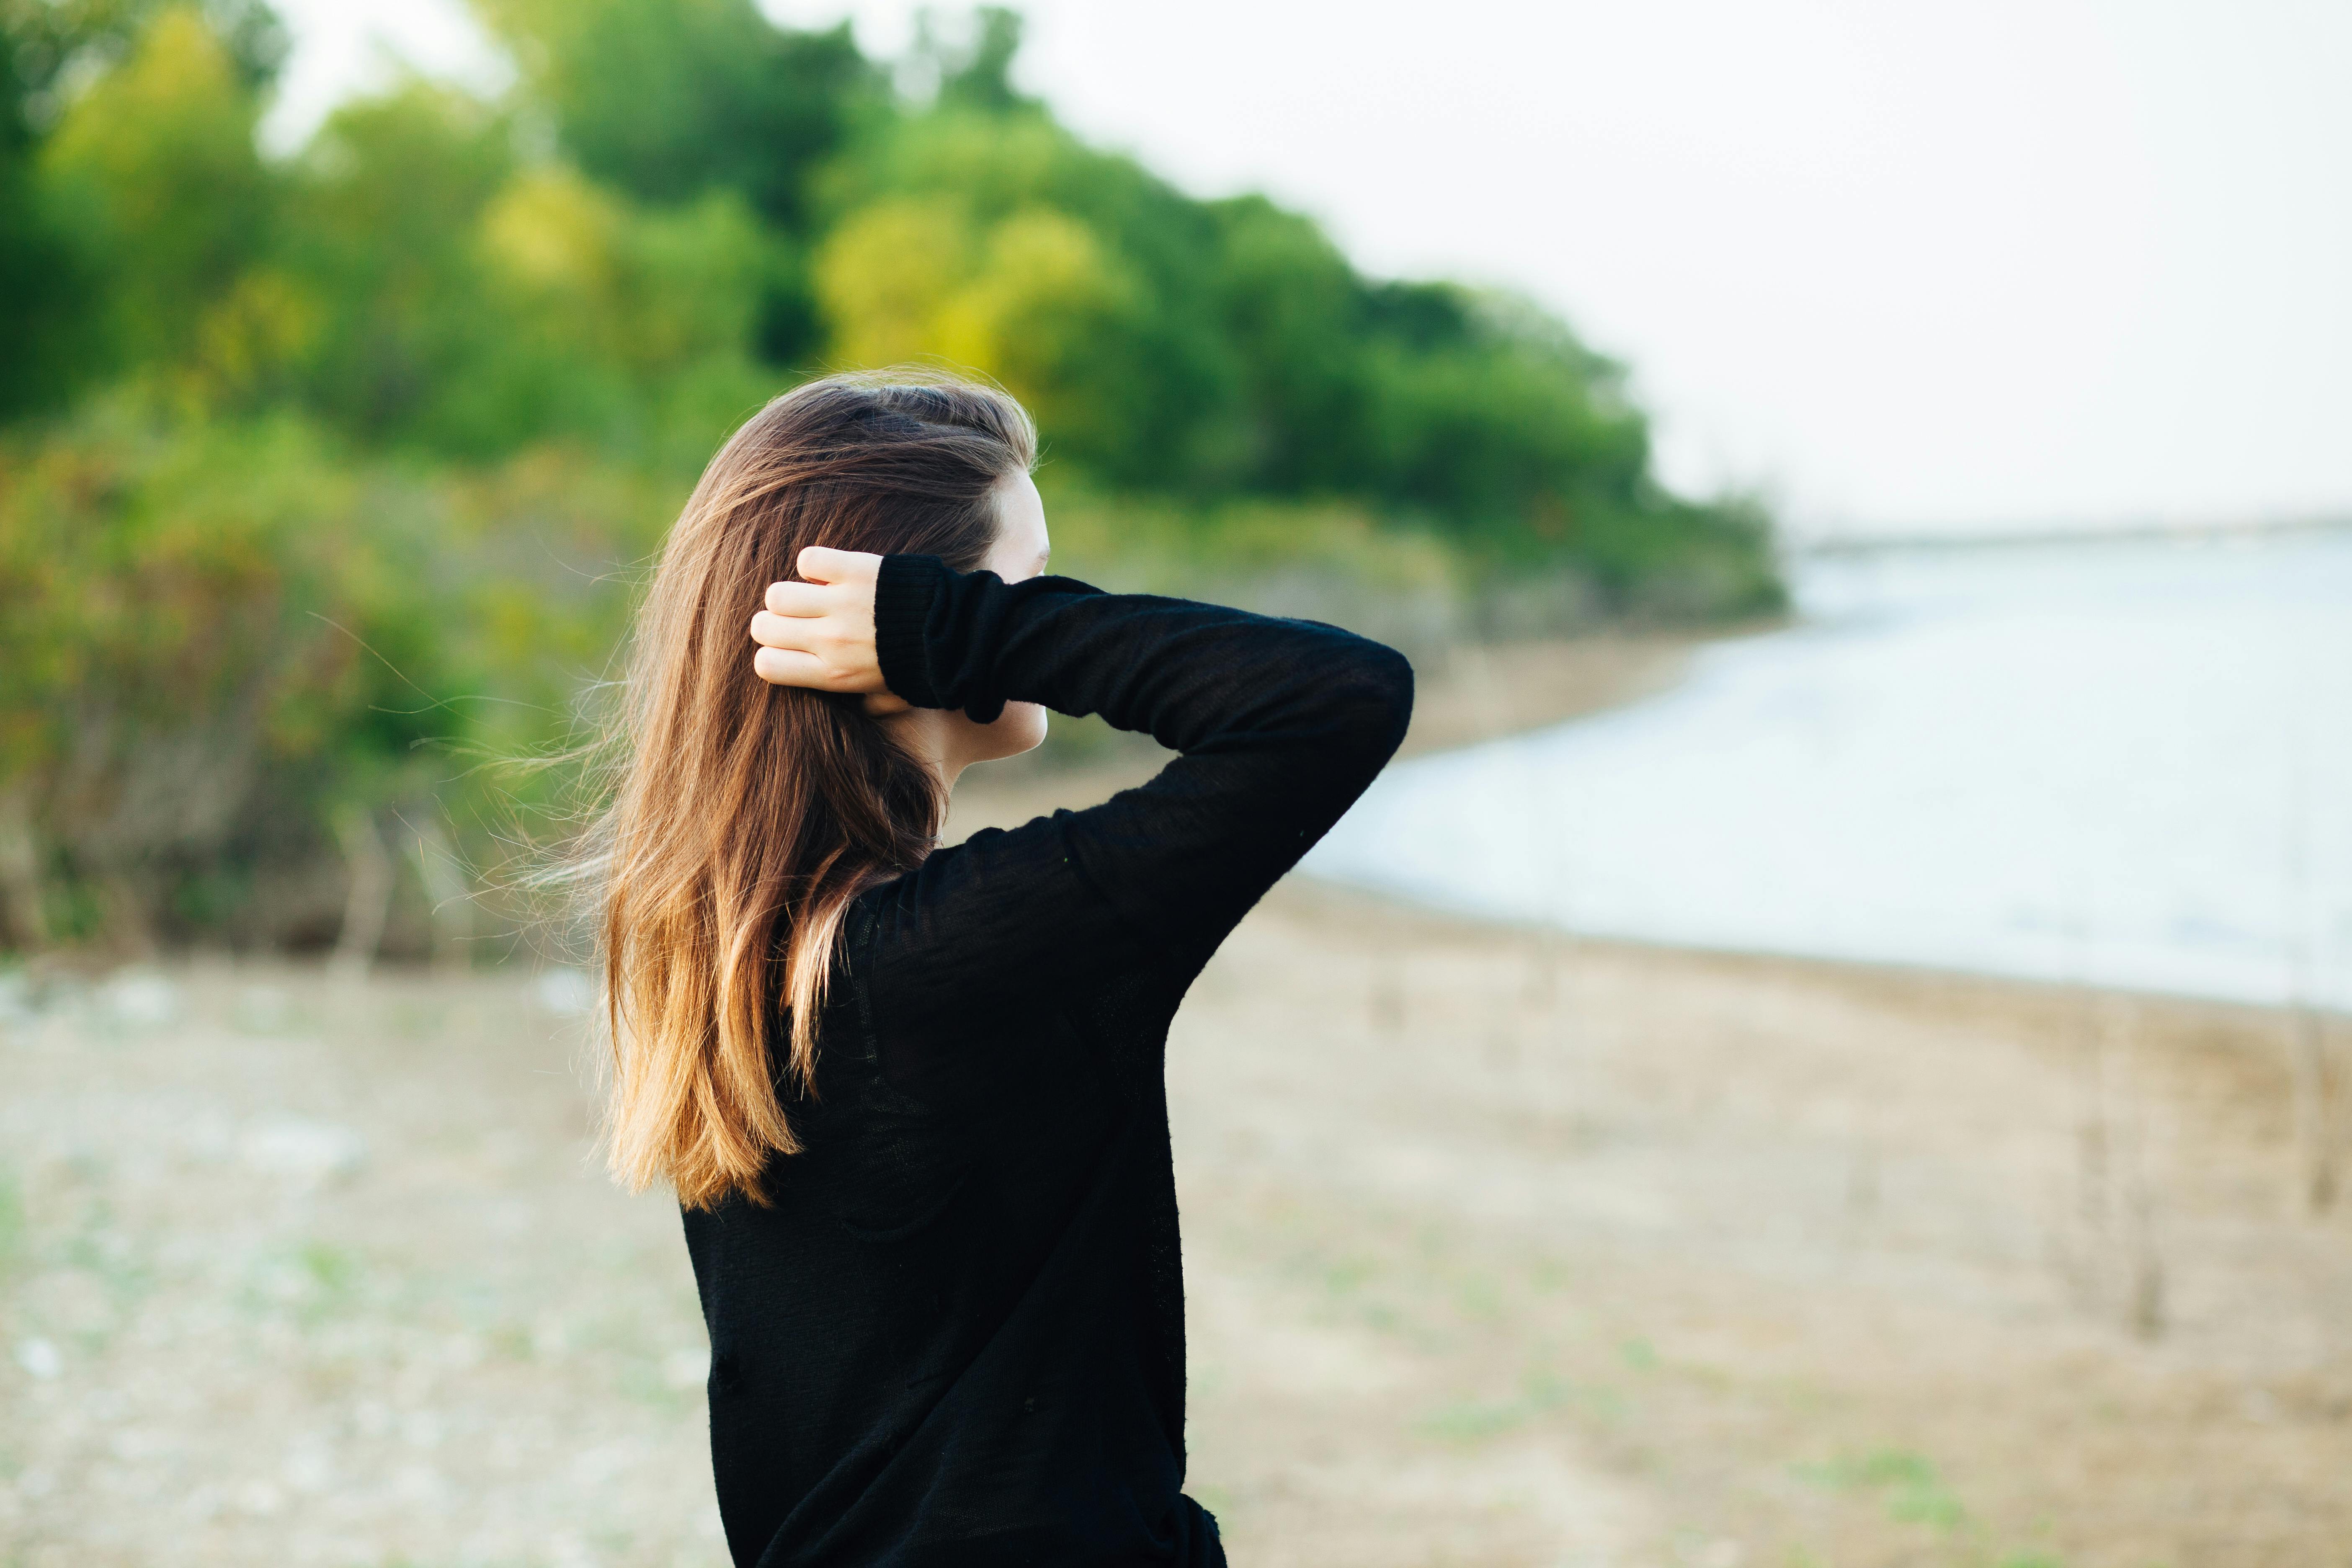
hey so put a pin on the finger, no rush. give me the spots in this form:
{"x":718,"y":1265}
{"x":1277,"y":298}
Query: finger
{"x":820,"y":565}
{"x":797,"y":599}
{"x":773,"y":630}
{"x":883,"y":704}
{"x":791,"y":667}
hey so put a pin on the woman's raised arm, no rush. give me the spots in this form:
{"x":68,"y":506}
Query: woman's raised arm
{"x":1279,"y":725}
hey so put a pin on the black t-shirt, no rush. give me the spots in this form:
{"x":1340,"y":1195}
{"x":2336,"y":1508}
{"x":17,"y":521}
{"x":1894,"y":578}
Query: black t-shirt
{"x":957,"y":1335}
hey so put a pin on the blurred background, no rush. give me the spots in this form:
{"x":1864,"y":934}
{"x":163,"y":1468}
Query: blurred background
{"x":1832,"y":1046}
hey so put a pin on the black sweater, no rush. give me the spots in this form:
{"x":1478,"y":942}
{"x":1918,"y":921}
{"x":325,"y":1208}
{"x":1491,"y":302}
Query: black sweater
{"x":957,"y":1337}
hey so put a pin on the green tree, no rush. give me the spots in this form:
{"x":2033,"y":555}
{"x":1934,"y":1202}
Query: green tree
{"x":155,"y":169}
{"x":1162,"y":357}
{"x":43,"y":274}
{"x":668,"y":98}
{"x":977,"y":74}
{"x":628,"y":326}
{"x":186,"y":609}
{"x":1297,"y":317}
{"x":382,"y":216}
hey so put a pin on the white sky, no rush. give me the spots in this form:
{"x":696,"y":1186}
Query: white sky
{"x":1907,"y":267}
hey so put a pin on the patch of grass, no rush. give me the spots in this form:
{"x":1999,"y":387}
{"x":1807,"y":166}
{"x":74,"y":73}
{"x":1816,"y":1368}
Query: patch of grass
{"x":1349,"y":1275}
{"x":311,"y":1282}
{"x":1907,"y":1483}
{"x":99,"y":1247}
{"x":331,"y":1269}
{"x":1931,"y":1505}
{"x":640,"y":1378}
{"x":1473,"y":1421}
{"x":1479,"y":1298}
{"x":416,"y":1020}
{"x":1541,"y":1393}
{"x":12,"y":1223}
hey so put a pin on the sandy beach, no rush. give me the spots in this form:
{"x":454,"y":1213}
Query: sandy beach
{"x":1501,"y":1248}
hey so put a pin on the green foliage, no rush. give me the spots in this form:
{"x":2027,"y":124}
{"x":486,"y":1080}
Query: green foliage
{"x":1133,"y":382}
{"x":52,"y":43}
{"x":977,"y":74}
{"x":670,"y":99}
{"x":38,"y":265}
{"x":154,"y":173}
{"x":384,"y":209}
{"x":218,"y":632}
{"x":444,"y":295}
{"x":321,"y":475}
{"x":172,"y":637}
{"x":78,"y":304}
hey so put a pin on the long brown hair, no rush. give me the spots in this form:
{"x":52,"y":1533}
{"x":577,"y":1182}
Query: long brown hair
{"x":746,"y":817}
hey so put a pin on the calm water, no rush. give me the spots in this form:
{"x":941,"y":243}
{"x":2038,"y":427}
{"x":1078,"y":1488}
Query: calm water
{"x":2126,"y":764}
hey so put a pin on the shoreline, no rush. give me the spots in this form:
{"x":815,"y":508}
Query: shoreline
{"x":1895,"y":973}
{"x":1489,"y":693}
{"x":1890,"y":976}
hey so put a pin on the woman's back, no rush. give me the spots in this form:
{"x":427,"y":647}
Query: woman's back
{"x":954,"y":1333}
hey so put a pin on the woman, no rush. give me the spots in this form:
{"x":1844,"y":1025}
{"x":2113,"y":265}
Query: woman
{"x":911,"y":1097}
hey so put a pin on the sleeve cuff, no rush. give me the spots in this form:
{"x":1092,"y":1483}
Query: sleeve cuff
{"x":903,"y":592}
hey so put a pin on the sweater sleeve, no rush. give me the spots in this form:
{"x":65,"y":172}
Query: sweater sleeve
{"x":1279,"y":725}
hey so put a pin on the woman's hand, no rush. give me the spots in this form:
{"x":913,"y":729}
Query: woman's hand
{"x":820,"y":633}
